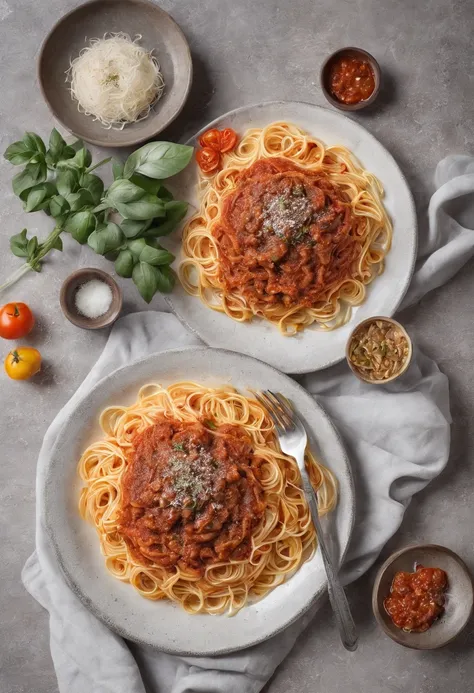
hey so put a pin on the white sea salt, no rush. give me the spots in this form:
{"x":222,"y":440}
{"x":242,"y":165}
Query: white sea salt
{"x":93,"y":298}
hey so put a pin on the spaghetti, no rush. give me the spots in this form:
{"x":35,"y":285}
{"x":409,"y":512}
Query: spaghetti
{"x":161,"y":523}
{"x":288,"y":230}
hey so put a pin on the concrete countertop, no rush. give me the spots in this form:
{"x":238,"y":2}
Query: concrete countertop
{"x":246,"y":51}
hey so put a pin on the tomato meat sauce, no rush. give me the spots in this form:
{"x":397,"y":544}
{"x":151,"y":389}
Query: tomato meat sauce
{"x":285,"y":236}
{"x":417,"y":599}
{"x":351,"y":79}
{"x":191,"y":496}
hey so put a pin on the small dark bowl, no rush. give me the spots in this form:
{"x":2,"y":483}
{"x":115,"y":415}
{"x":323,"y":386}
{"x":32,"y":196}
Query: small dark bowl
{"x":349,"y":52}
{"x":68,"y":305}
{"x":93,"y":19}
{"x":459,"y":597}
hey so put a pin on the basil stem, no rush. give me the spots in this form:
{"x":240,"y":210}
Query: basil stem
{"x":34,"y":263}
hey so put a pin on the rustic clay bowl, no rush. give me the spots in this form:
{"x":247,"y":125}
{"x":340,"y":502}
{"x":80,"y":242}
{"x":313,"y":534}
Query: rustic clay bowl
{"x":459,"y":597}
{"x":92,"y":20}
{"x":68,"y":305}
{"x":349,"y":52}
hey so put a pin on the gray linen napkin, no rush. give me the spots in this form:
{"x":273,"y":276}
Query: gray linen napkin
{"x":397,"y":438}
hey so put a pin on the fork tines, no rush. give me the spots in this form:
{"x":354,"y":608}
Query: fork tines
{"x":278,"y":408}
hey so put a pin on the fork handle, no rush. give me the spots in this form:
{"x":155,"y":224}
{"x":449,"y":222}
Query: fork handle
{"x":337,"y":596}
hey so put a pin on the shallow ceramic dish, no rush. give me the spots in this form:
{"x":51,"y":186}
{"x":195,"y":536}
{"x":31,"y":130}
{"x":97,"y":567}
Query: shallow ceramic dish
{"x":311,"y":350}
{"x":163,"y":624}
{"x":459,"y":597}
{"x":406,"y":363}
{"x":72,"y":33}
{"x":349,"y":52}
{"x":68,"y":293}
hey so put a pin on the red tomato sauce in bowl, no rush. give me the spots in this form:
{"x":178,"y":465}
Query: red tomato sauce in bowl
{"x":417,"y":599}
{"x":351,"y":79}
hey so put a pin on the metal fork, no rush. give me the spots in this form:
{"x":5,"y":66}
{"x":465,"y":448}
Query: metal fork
{"x":293,"y":441}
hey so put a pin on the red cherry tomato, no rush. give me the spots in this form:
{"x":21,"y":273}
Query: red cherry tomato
{"x":16,"y":320}
{"x":212,"y":139}
{"x":228,"y":140}
{"x":208,"y":159}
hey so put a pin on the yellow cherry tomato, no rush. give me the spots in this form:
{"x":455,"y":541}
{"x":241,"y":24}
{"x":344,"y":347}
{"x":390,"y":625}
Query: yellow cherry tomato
{"x":22,"y":363}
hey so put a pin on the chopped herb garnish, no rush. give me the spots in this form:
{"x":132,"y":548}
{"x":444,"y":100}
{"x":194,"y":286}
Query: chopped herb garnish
{"x":112,"y":79}
{"x":300,"y":234}
{"x":285,"y":213}
{"x":210,"y":424}
{"x":178,"y":446}
{"x":299,"y":191}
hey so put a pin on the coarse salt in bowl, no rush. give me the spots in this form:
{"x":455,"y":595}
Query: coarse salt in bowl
{"x":93,"y":298}
{"x":90,"y":298}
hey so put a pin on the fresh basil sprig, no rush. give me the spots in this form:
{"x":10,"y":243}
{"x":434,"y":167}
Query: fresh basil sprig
{"x":122,"y":222}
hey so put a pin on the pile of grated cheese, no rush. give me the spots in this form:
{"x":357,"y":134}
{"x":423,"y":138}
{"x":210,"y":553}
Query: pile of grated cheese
{"x":115,"y":80}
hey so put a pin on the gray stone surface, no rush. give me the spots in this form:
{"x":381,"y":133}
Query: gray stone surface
{"x":245,"y":51}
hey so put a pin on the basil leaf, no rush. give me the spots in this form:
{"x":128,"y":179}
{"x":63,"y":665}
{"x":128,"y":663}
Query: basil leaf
{"x":37,"y":195}
{"x":58,"y":149}
{"x":147,"y":207}
{"x":156,"y":256}
{"x":148,"y":184}
{"x":144,"y":278}
{"x":175,"y":212}
{"x":80,"y":199}
{"x":58,"y":243}
{"x":124,"y":191}
{"x":165,"y":279}
{"x":103,"y":206}
{"x":67,"y":182}
{"x":94,"y":185}
{"x":106,"y":239}
{"x":117,"y":169}
{"x":58,"y":205}
{"x":164,"y":194}
{"x":31,"y":248}
{"x":34,"y":142}
{"x":158,"y":160}
{"x":80,"y":226}
{"x":56,"y":142}
{"x":80,"y":161}
{"x":19,"y":244}
{"x":136,"y":246}
{"x":132,"y":202}
{"x":31,"y":175}
{"x":78,"y":144}
{"x":132,"y":228}
{"x":18,"y":153}
{"x":124,"y":263}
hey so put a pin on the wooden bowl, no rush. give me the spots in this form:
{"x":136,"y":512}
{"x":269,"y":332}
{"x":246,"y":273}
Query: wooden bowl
{"x":68,"y":293}
{"x":73,"y":32}
{"x":459,"y":597}
{"x":395,"y":375}
{"x":349,"y":52}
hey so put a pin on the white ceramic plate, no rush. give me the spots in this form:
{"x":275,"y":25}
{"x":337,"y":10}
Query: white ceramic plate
{"x":311,"y":350}
{"x":163,"y":624}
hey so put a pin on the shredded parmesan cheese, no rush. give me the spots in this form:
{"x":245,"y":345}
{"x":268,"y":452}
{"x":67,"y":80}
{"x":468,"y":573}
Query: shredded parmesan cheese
{"x":115,"y":80}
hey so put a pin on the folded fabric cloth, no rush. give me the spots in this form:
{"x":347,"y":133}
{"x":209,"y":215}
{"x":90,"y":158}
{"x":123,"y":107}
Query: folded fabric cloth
{"x":397,"y":437}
